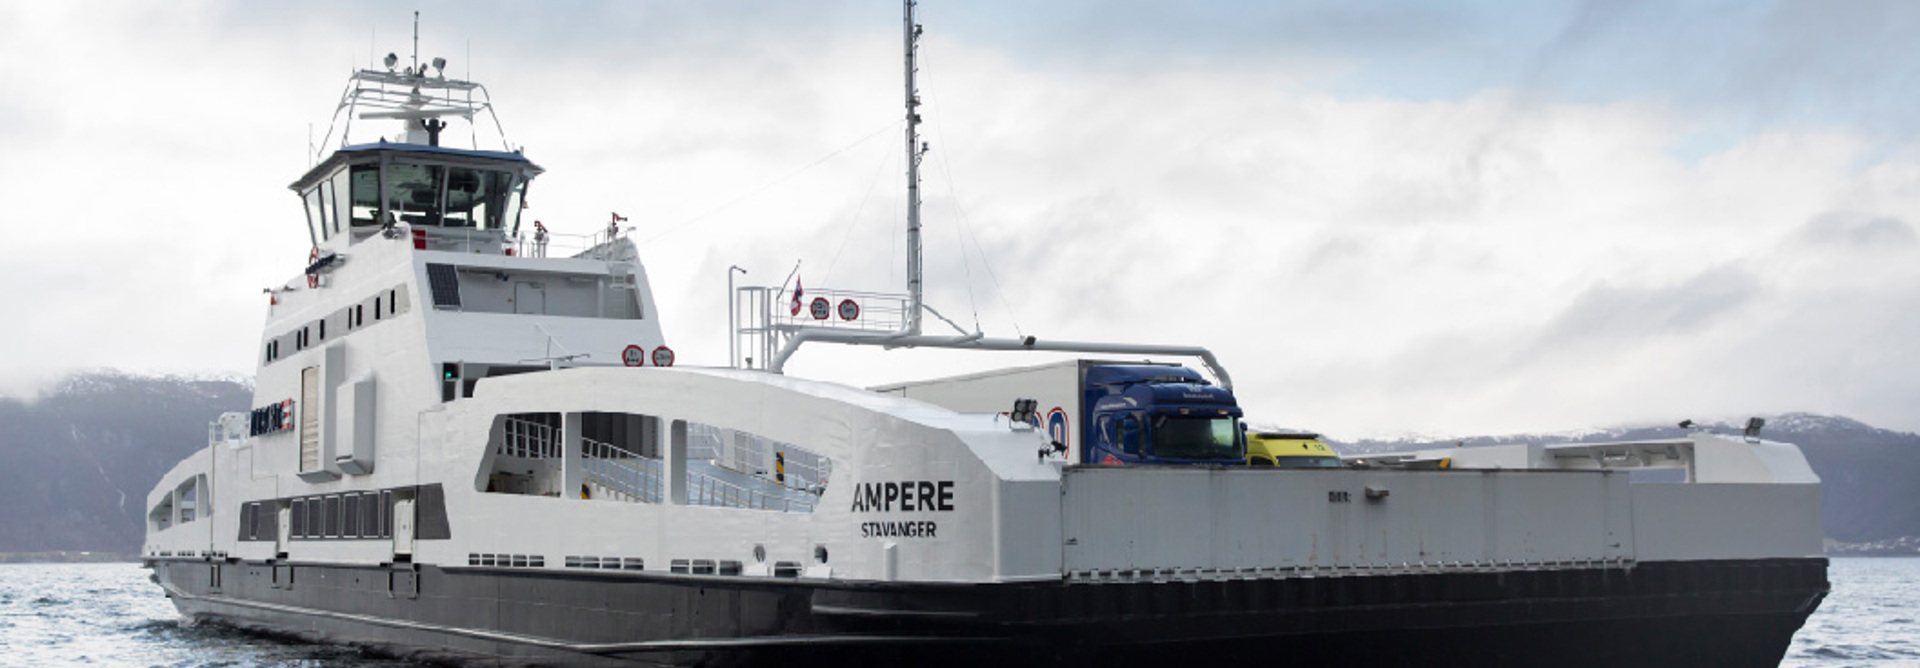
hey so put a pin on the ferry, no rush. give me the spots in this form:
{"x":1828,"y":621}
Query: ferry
{"x":470,"y":443}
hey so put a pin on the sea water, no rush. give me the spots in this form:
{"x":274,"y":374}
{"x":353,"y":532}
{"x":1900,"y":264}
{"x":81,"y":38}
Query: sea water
{"x":110,"y":615}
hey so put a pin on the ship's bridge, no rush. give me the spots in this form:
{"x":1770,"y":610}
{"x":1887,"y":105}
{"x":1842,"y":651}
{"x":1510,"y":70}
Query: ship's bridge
{"x":449,"y":198}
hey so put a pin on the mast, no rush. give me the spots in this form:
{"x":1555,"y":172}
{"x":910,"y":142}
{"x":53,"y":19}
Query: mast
{"x":416,"y":43}
{"x":909,"y":336}
{"x":915,"y":151}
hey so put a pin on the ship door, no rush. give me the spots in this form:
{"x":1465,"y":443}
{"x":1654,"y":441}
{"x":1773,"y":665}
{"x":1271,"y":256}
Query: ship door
{"x":282,"y":528}
{"x":403,"y":526}
{"x":529,"y":298}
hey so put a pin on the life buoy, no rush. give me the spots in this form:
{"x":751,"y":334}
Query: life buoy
{"x":313,"y":276}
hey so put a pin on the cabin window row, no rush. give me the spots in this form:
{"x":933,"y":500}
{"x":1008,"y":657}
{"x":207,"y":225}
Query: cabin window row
{"x":351,"y":515}
{"x":382,"y":306}
{"x":362,"y":515}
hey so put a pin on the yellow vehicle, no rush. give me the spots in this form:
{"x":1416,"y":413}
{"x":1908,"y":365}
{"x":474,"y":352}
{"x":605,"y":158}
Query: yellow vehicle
{"x":1290,"y":450}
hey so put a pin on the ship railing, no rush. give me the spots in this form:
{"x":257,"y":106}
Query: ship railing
{"x":766,"y":318}
{"x":704,"y":442}
{"x":625,"y":475}
{"x":705,"y":490}
{"x":597,"y":246}
{"x":758,"y":456}
{"x":452,"y":237}
{"x":527,"y":439}
{"x":630,"y":474}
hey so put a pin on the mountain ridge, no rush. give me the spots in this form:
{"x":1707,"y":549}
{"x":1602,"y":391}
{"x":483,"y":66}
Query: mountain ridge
{"x":77,"y":459}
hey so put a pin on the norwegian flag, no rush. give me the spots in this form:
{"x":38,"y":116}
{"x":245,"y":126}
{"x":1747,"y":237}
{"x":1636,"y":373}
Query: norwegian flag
{"x":794,"y":308}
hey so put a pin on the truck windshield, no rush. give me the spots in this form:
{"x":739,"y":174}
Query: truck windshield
{"x":1195,"y":438}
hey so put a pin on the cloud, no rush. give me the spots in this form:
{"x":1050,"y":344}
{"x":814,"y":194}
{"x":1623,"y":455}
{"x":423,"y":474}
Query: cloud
{"x":1607,"y":311}
{"x":1489,"y":253}
{"x":1853,"y":229}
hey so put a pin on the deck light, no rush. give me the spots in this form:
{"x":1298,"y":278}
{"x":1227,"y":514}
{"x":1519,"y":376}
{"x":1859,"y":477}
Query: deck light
{"x":440,"y":66}
{"x":391,"y":61}
{"x":1023,"y":411}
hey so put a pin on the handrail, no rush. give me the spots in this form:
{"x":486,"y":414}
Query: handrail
{"x":527,"y":439}
{"x":636,"y":475}
{"x":632,"y":473}
{"x":705,"y":490}
{"x":978,"y":342}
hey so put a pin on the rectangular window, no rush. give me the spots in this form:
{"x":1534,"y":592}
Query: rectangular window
{"x":350,"y":516}
{"x":327,"y":211}
{"x":413,"y":192}
{"x":297,"y":523}
{"x":510,"y":213}
{"x":313,"y":213}
{"x":249,"y":529}
{"x":477,"y":198}
{"x":331,"y":517}
{"x":365,"y":209}
{"x":316,"y":521}
{"x":342,"y":202}
{"x":309,"y":419}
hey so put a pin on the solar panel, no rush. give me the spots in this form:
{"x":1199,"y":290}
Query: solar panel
{"x":444,"y":282}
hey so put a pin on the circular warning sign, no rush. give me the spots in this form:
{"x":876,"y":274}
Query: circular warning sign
{"x":634,"y":356}
{"x":663,"y":356}
{"x":849,"y":310}
{"x":819,"y":308}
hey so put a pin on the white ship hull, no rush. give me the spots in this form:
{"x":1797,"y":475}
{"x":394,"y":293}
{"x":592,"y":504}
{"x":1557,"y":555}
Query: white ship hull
{"x":1002,"y":554}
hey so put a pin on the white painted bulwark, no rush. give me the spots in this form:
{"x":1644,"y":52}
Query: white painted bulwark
{"x":1241,"y":519}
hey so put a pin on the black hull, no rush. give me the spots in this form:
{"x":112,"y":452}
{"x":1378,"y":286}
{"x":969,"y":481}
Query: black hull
{"x":1721,"y":613}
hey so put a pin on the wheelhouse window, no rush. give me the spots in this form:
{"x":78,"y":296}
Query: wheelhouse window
{"x":478,"y":198}
{"x":1196,"y":438}
{"x":341,"y":186}
{"x":364,"y":202}
{"x":328,"y":215}
{"x":413,"y":193}
{"x":314,"y":220}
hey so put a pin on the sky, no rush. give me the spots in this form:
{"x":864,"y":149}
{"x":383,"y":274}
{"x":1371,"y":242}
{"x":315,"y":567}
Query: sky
{"x":1435,"y":218}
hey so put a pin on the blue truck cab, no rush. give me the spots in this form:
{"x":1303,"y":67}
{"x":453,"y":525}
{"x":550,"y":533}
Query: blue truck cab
{"x":1158,"y":414}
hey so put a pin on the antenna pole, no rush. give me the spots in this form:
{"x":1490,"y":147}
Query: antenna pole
{"x":915,"y":151}
{"x":416,"y":41}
